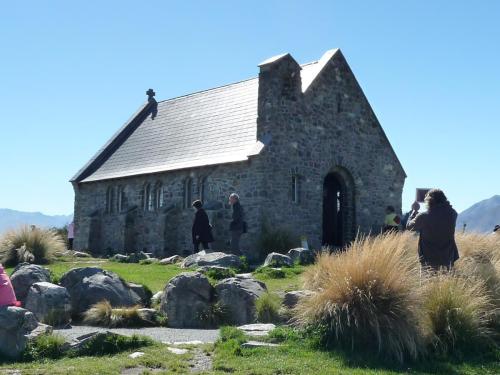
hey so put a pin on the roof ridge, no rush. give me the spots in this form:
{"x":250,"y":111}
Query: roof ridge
{"x":210,"y":89}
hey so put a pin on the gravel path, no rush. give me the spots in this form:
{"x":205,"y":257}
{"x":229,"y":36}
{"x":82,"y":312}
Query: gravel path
{"x":162,"y":334}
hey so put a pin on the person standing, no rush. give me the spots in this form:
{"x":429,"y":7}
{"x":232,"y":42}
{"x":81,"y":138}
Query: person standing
{"x":7,"y":294}
{"x":201,"y":231}
{"x":237,"y":226}
{"x":406,"y":217}
{"x":436,"y":245}
{"x":71,"y":235}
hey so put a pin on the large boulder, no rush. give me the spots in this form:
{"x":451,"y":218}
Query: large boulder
{"x":90,"y":285}
{"x":238,"y":296}
{"x":50,"y":303}
{"x":143,"y":293}
{"x":17,"y":326}
{"x":278,"y":260}
{"x":301,"y":256}
{"x":186,"y":297}
{"x":24,"y":276}
{"x":212,"y":259}
{"x":292,"y":298}
{"x":172,"y":260}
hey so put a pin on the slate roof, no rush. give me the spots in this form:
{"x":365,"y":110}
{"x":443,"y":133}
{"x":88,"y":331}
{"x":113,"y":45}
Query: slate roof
{"x":205,"y":128}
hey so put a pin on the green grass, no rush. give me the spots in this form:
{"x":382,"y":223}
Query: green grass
{"x":154,"y":276}
{"x":276,"y":284}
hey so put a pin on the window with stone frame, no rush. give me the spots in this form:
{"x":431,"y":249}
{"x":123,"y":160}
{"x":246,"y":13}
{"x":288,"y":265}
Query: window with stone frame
{"x":203,"y":189}
{"x":295,"y":188}
{"x":160,"y":195}
{"x":148,"y":201}
{"x":120,"y":201}
{"x":110,"y":199}
{"x":188,"y":192}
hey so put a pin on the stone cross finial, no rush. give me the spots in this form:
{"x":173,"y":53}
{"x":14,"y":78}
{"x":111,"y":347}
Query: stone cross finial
{"x":150,"y":93}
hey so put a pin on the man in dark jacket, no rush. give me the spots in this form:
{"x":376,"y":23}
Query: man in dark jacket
{"x":237,"y":225}
{"x":202,"y":231}
{"x":436,"y":245}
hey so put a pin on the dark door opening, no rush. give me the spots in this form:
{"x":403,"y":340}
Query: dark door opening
{"x":333,"y":211}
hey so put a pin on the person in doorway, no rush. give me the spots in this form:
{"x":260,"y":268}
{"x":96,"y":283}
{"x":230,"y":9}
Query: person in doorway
{"x":71,"y":235}
{"x":392,"y":220}
{"x":7,"y":295}
{"x":406,"y":217}
{"x":237,"y":225}
{"x":436,"y":245}
{"x":202,"y":231}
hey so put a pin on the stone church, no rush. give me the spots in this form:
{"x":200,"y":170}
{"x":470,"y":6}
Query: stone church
{"x":300,"y":144}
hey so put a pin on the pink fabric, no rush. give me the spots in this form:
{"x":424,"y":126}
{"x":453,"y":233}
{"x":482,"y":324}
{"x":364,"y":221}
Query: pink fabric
{"x":7,"y":295}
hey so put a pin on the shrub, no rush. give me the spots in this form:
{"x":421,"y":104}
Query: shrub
{"x":110,"y":343}
{"x":215,"y":315}
{"x":267,"y":308}
{"x":31,"y":245}
{"x":458,"y":313}
{"x":230,"y":340}
{"x":219,"y":273}
{"x":102,"y":314}
{"x":271,"y":273}
{"x":282,"y":334}
{"x":275,"y":239}
{"x":244,"y":267}
{"x":365,"y":298}
{"x":44,"y":347}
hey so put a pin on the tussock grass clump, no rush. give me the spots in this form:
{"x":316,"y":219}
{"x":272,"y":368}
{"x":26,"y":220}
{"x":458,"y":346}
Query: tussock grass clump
{"x":267,"y":308}
{"x":366,"y":298}
{"x":102,"y":314}
{"x":29,"y":245}
{"x":44,"y":347}
{"x":106,"y":344}
{"x":458,"y":313}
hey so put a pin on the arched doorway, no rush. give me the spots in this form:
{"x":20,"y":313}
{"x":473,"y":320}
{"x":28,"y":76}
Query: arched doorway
{"x":338,"y":209}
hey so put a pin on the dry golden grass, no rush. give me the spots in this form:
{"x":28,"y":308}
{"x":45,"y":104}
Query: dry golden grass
{"x":24,"y":244}
{"x":102,"y":314}
{"x":367,"y":297}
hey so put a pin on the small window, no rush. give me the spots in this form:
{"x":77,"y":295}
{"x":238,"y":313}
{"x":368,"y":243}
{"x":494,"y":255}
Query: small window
{"x":147,"y":198}
{"x":295,"y":189}
{"x":159,"y":196}
{"x":188,"y":192}
{"x":109,"y":199}
{"x":339,"y":103}
{"x":203,"y":189}
{"x":120,"y":204}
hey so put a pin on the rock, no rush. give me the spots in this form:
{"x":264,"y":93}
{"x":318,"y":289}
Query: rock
{"x":143,"y":293}
{"x":24,"y":276}
{"x":147,"y":314}
{"x":81,"y":254}
{"x":90,"y":285}
{"x":301,"y":256}
{"x":41,"y":329}
{"x":257,"y":329}
{"x":258,"y":344}
{"x":137,"y":257}
{"x":185,"y":298}
{"x":238,"y":296}
{"x":194,"y":342}
{"x":278,"y":260}
{"x":211,"y":259}
{"x":177,"y":350}
{"x":50,"y":303}
{"x":292,"y":298}
{"x":172,"y":260}
{"x":149,"y":261}
{"x":16,"y":324}
{"x":120,"y":258}
{"x":135,"y":355}
{"x":156,"y":297}
{"x":244,"y":275}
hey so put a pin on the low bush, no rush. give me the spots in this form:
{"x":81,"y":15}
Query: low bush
{"x":230,"y":340}
{"x":29,"y":245}
{"x":365,"y":298}
{"x":267,"y":308}
{"x":244,"y":266}
{"x":275,"y":239}
{"x":219,"y":273}
{"x":102,"y":314}
{"x":107,"y":344}
{"x":271,"y":273}
{"x":44,"y":347}
{"x":215,"y":315}
{"x":282,"y":334}
{"x":458,"y":314}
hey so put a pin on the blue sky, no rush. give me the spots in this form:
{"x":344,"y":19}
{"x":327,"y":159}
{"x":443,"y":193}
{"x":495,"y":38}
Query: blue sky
{"x":72,"y":72}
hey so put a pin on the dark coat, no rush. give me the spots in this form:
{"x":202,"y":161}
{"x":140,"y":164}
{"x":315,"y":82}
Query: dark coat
{"x":436,"y":245}
{"x":237,"y":222}
{"x":201,"y":227}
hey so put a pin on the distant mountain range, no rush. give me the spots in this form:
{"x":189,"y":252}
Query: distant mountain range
{"x":12,"y":219}
{"x":481,"y":217}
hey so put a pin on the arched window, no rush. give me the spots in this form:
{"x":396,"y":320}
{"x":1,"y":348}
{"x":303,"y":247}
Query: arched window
{"x":120,"y":204}
{"x":203,"y":189}
{"x":295,"y":188}
{"x":148,"y":198}
{"x":160,"y":202}
{"x":110,"y":199}
{"x":339,"y":103}
{"x":188,"y":192}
